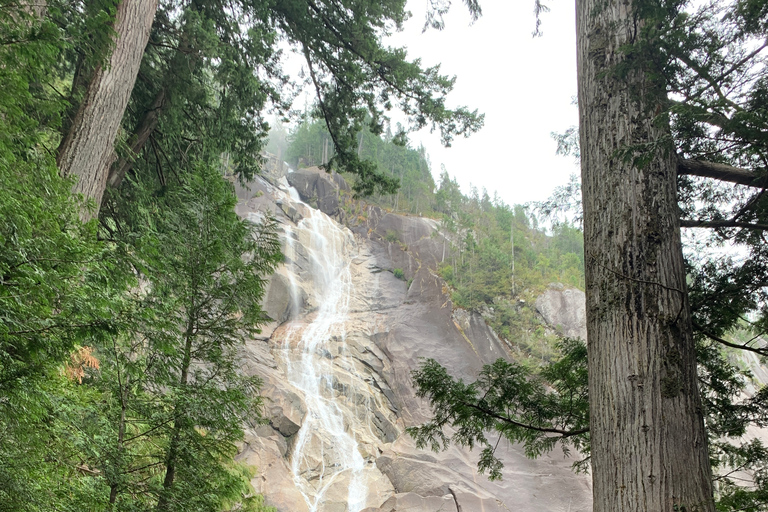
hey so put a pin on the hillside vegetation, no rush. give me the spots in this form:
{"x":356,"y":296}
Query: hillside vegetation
{"x":479,"y":264}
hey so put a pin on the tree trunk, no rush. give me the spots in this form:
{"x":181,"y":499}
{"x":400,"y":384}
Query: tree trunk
{"x":87,"y":150}
{"x":648,"y":443}
{"x":140,"y":137}
{"x":179,"y":423}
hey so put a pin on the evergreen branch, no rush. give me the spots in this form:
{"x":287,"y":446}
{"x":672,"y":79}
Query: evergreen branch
{"x":147,"y":432}
{"x":135,"y":470}
{"x":320,"y":101}
{"x":547,"y":430}
{"x":714,"y":84}
{"x":743,"y":61}
{"x":55,"y":326}
{"x":722,"y":341}
{"x":693,"y":223}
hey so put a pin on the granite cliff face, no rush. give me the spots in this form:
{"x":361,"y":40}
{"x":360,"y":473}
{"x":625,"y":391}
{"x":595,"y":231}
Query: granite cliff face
{"x":337,"y":361}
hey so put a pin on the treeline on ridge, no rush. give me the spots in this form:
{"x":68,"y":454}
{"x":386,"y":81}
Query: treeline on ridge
{"x":479,"y":264}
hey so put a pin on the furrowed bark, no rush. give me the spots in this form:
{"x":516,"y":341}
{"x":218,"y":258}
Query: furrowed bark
{"x":87,"y":150}
{"x":648,"y":443}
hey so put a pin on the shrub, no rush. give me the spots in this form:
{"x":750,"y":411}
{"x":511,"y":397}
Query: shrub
{"x":392,"y":236}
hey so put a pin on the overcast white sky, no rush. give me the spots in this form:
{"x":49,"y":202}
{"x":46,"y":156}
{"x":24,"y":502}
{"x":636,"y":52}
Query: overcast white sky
{"x":524,"y":85}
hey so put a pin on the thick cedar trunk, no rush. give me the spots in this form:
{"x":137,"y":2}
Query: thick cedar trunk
{"x":87,"y":150}
{"x":648,"y":443}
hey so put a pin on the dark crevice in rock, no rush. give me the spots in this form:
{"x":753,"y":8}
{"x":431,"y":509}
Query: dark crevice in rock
{"x":456,"y":501}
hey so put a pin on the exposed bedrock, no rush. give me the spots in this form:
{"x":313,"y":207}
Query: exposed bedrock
{"x":388,"y":326}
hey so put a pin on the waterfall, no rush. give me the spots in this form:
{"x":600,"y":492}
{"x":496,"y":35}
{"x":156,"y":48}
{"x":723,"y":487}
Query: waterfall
{"x":324,"y":451}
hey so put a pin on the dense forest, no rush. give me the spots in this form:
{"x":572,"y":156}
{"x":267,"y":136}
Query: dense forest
{"x":127,"y":283}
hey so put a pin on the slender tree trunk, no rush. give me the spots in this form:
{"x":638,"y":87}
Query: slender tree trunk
{"x":171,"y":459}
{"x":87,"y":150}
{"x":139,"y":139}
{"x":114,"y":487}
{"x":648,"y":443}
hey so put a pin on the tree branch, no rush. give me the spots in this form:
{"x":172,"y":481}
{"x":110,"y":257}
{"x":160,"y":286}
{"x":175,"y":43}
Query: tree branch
{"x":563,"y":433}
{"x":138,"y":139}
{"x":720,"y":172}
{"x":693,"y":223}
{"x":756,"y":350}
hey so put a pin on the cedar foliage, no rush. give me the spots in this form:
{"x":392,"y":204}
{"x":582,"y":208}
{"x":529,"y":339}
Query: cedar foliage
{"x":118,"y":337}
{"x":711,"y":60}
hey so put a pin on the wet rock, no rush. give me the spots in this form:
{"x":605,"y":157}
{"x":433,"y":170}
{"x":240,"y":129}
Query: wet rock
{"x":291,"y":211}
{"x":337,"y":496}
{"x":388,"y":432}
{"x":285,"y":412}
{"x":319,"y":189}
{"x":264,"y":455}
{"x":277,"y":302}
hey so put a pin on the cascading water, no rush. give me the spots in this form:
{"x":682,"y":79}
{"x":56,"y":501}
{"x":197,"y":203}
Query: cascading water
{"x":345,"y":336}
{"x":325,"y":452}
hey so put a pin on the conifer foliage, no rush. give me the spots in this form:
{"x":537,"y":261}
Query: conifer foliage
{"x":676,"y":84}
{"x":127,"y":283}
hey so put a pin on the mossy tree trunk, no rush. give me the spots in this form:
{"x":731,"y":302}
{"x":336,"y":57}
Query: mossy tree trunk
{"x":648,"y":443}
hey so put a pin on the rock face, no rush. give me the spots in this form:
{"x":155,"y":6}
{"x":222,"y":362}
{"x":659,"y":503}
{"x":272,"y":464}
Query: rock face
{"x":319,"y":189}
{"x":565,"y":310}
{"x":337,"y":362}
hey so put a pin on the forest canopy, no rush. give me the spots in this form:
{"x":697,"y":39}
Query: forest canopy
{"x":127,"y":282}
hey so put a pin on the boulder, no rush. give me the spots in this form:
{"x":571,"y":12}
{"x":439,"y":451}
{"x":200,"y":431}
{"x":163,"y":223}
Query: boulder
{"x":319,"y":189}
{"x":277,"y":300}
{"x":565,"y":310}
{"x":284,"y":410}
{"x":291,"y":211}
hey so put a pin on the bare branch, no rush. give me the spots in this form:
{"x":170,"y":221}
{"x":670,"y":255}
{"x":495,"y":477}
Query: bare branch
{"x":692,"y":223}
{"x":720,"y":172}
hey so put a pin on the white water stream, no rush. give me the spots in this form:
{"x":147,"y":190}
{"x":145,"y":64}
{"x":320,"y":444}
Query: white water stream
{"x":325,"y":452}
